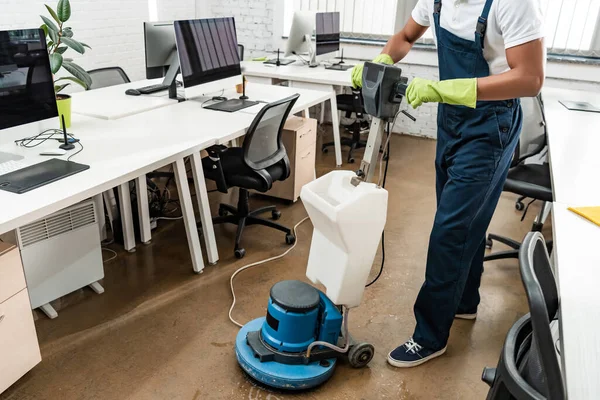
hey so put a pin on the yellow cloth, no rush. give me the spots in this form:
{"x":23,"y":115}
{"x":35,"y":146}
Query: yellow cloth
{"x":590,"y":213}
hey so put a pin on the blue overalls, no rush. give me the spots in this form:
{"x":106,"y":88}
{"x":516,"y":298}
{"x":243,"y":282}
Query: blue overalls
{"x":474,"y":151}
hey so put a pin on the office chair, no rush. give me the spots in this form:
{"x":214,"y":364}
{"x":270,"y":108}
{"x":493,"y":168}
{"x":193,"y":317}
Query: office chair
{"x":528,"y":180}
{"x":529,"y":366}
{"x":351,"y":104}
{"x":105,"y":77}
{"x":241,"y":51}
{"x":260,"y":161}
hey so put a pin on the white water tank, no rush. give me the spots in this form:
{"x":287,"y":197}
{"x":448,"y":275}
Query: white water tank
{"x":348,"y":221}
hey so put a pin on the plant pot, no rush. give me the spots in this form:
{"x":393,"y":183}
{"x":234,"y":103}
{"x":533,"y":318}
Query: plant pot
{"x":63,"y":102}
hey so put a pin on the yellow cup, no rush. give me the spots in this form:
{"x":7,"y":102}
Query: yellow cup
{"x":63,"y":102}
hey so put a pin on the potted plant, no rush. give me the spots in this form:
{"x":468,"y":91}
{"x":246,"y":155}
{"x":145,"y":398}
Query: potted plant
{"x":60,"y":39}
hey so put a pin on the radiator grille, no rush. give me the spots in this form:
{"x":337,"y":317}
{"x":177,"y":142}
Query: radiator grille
{"x":57,"y":224}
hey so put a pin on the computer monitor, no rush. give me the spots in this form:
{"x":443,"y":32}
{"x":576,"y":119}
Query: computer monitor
{"x":300,"y":38}
{"x":159,"y":42}
{"x":208,"y":55}
{"x":328,"y":33}
{"x":26,"y":86}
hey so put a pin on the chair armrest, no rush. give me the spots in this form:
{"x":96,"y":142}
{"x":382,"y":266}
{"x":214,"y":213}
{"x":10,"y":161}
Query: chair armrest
{"x":214,"y":163}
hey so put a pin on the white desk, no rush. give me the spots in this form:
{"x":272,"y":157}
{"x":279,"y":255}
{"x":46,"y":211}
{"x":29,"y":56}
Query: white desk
{"x":301,"y":76}
{"x":574,"y":143}
{"x":576,"y":243}
{"x":112,"y":102}
{"x":122,"y":150}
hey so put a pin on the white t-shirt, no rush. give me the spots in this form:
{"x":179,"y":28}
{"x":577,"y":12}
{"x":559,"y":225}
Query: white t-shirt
{"x":510,"y":23}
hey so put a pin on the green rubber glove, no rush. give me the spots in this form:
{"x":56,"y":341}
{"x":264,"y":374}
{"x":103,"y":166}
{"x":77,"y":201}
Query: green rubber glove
{"x":453,"y":91}
{"x":357,"y":71}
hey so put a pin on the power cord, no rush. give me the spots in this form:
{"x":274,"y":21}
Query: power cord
{"x":77,"y":152}
{"x":256,"y":264}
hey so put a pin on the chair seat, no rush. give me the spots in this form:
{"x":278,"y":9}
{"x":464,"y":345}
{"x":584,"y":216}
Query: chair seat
{"x":238,"y":174}
{"x":530,"y":180}
{"x":345,"y":102}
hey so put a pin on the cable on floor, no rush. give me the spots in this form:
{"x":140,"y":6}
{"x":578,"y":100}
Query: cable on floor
{"x":111,"y":251}
{"x":256,"y":264}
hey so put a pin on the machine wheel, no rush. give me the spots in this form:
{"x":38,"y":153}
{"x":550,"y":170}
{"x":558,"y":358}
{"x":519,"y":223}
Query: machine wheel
{"x":223,"y":212}
{"x":275,"y":215}
{"x":360,"y":355}
{"x":519,"y":206}
{"x":489,"y":243}
{"x":240,"y":253}
{"x":290,"y":239}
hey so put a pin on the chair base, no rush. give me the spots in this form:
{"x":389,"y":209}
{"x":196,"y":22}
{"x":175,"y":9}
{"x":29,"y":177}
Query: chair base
{"x":510,"y":254}
{"x":243,"y":217}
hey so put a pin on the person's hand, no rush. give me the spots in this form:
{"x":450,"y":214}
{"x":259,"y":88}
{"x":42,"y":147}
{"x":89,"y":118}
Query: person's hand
{"x":357,"y":71}
{"x":453,"y":91}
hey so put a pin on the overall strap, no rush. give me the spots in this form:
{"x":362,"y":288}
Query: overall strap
{"x":437,"y":7}
{"x":482,"y":22}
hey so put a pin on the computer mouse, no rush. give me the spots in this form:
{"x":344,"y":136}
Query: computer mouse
{"x":132,"y":92}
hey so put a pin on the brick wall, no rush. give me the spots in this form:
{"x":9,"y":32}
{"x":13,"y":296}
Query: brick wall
{"x":169,"y":10}
{"x":254,"y":22}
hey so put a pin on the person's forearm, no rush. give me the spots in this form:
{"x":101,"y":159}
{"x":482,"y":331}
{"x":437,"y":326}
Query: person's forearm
{"x":398,"y":46}
{"x":509,"y":85}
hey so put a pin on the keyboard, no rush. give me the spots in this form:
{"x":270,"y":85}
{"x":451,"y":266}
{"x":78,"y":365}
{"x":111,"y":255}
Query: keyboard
{"x":10,"y":166}
{"x":152,"y":89}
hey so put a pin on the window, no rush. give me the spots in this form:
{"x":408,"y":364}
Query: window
{"x":364,"y":19}
{"x":572,"y":26}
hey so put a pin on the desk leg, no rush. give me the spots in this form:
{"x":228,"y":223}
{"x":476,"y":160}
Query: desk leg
{"x":126,"y":217}
{"x":322,"y":117}
{"x":189,"y":220}
{"x":99,"y":208}
{"x":204,"y":209}
{"x":141,"y":188}
{"x":335,"y":121}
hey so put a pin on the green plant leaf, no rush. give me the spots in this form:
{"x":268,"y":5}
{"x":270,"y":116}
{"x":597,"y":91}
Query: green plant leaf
{"x":85,"y":45}
{"x":78,"y":73}
{"x":72,"y":79}
{"x":51,"y":25}
{"x":74,"y":44}
{"x":50,"y":43}
{"x":45,"y":29}
{"x":61,"y":49}
{"x":63,"y":9}
{"x":53,"y":36}
{"x":52,"y":13}
{"x":67,"y":32}
{"x":68,"y":59}
{"x":56,"y":61}
{"x":59,"y":88}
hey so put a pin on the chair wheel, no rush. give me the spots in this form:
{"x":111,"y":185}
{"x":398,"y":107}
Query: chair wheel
{"x":360,"y":355}
{"x":325,"y":150}
{"x":290,"y":239}
{"x":240,"y":253}
{"x":519,"y":206}
{"x":223,"y":212}
{"x":488,"y":243}
{"x":275,"y":215}
{"x":351,"y":160}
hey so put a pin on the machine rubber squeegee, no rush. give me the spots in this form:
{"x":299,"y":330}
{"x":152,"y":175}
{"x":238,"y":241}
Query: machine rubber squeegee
{"x":297,"y":345}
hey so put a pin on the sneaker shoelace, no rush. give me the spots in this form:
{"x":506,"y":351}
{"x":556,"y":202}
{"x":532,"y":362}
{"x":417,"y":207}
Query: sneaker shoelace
{"x":412,"y":347}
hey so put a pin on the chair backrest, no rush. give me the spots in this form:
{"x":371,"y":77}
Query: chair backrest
{"x":241,"y":51}
{"x":105,"y":77}
{"x":543,"y":367}
{"x":533,"y":137}
{"x":263,"y":146}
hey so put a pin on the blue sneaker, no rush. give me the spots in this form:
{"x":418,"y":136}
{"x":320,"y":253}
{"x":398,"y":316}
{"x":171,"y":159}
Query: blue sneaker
{"x":411,"y":354}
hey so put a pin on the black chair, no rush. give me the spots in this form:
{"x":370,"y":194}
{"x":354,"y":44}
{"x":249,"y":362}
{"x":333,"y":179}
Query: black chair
{"x":351,"y":104}
{"x":105,"y":77}
{"x":529,"y":366}
{"x":528,"y":180}
{"x":241,"y":51}
{"x":260,"y":161}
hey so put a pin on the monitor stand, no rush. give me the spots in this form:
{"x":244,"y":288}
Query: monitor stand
{"x":6,"y":157}
{"x":312,"y":53}
{"x":171,"y":77}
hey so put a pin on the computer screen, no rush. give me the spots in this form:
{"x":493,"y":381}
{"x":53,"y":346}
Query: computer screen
{"x":207,"y":50}
{"x":26,"y":85}
{"x":328,"y":32}
{"x":159,"y":43}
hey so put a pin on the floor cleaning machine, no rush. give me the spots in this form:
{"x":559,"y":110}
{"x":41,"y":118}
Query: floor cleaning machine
{"x":297,"y":345}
